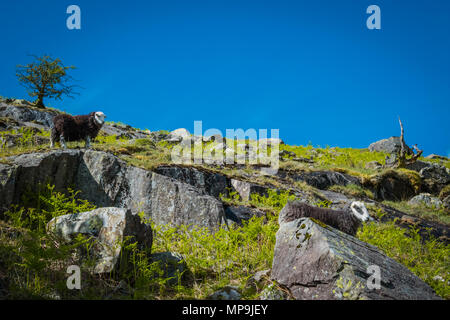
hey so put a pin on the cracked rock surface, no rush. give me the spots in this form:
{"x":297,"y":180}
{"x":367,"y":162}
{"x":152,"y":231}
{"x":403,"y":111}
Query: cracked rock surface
{"x":315,"y":261}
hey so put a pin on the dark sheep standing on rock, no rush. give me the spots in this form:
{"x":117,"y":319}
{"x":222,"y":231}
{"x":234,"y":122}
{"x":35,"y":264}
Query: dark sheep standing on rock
{"x":347,"y":221}
{"x":74,"y":128}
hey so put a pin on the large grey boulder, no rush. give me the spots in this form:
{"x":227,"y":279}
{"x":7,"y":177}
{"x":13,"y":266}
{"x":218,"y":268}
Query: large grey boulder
{"x":390,"y":145}
{"x":106,"y":180}
{"x":26,"y":114}
{"x":435,"y":177}
{"x":427,"y":200}
{"x":108,"y":227}
{"x":178,"y":135}
{"x":175,"y":203}
{"x":211,"y":183}
{"x":315,"y":261}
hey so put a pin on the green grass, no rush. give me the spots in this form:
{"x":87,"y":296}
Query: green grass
{"x":227,"y":257}
{"x":346,"y":158}
{"x":35,"y":261}
{"x":421,"y":211}
{"x":353,"y":190}
{"x":426,"y":259}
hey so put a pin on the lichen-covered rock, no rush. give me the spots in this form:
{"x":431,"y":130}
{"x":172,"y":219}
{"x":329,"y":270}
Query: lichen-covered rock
{"x":446,"y":202}
{"x":391,"y":145}
{"x":315,"y":261}
{"x":226,"y":293}
{"x":435,"y":177}
{"x":106,"y":180}
{"x":271,"y":292}
{"x":175,"y":203}
{"x":178,"y":135}
{"x":426,"y":200}
{"x":20,"y":113}
{"x":108,"y":227}
{"x":211,"y":183}
{"x":123,"y":131}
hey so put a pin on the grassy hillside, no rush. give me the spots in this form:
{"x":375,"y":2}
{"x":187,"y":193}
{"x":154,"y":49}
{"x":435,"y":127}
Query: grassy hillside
{"x":33,"y":263}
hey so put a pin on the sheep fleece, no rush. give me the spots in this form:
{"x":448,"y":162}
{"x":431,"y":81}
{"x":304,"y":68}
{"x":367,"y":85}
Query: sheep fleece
{"x":342,"y":220}
{"x":74,"y":128}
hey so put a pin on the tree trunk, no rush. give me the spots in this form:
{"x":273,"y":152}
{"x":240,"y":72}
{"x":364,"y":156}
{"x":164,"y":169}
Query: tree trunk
{"x":40,"y":102}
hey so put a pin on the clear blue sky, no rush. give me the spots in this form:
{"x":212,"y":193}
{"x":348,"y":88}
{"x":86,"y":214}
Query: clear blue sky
{"x":309,"y":68}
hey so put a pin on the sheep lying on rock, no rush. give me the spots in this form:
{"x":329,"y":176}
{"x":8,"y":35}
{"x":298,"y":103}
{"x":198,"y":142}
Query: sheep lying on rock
{"x":74,"y":128}
{"x":347,"y":221}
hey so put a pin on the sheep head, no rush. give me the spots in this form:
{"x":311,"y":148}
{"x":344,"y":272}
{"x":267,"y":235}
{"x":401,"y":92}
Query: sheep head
{"x":358,"y":209}
{"x":99,"y":118}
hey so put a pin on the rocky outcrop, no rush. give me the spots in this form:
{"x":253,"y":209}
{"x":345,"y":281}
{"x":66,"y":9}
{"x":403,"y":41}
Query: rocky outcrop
{"x":315,"y":261}
{"x":108,"y":227}
{"x":446,"y":202}
{"x":123,"y":131}
{"x":105,"y":180}
{"x":321,"y":179}
{"x":435,"y":178}
{"x":427,"y":200}
{"x":391,"y":145}
{"x":418,"y":165}
{"x":27,"y":114}
{"x":391,"y":186}
{"x":176,"y":203}
{"x":178,"y":135}
{"x":211,"y":183}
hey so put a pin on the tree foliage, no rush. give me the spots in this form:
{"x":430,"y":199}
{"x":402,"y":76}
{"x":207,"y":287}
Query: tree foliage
{"x":46,"y":77}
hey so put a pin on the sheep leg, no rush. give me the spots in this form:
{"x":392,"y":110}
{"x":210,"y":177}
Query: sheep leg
{"x":62,"y":141}
{"x":53,"y":137}
{"x":88,"y":142}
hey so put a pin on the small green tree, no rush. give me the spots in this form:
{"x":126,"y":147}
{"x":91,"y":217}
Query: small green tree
{"x":45,"y":77}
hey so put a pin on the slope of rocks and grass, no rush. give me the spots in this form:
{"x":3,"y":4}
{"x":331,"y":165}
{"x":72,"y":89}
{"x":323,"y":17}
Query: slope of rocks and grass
{"x":142,"y":227}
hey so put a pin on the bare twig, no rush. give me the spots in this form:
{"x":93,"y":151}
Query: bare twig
{"x":405,"y":150}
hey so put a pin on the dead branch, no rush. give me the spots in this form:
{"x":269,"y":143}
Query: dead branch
{"x":406,"y":151}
